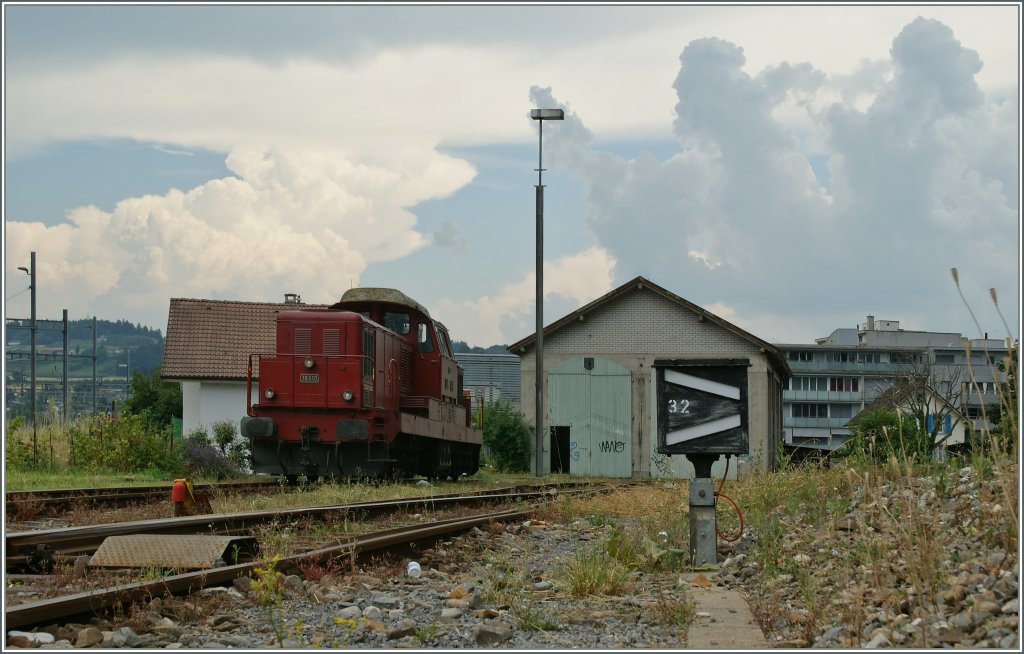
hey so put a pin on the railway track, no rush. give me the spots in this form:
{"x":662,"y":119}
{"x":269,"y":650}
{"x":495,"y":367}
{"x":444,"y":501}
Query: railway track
{"x":70,"y":542}
{"x":55,"y":500}
{"x":32,"y":547}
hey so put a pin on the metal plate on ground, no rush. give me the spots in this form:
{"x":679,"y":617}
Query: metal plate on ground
{"x":185,"y":552}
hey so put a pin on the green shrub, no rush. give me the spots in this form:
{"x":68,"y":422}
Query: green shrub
{"x":17,"y":451}
{"x":200,"y":457}
{"x":507,"y":436}
{"x":122,"y":443}
{"x":881,"y":433}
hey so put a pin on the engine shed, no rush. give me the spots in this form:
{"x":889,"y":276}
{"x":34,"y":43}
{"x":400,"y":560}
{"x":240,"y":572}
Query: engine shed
{"x":602,"y":366}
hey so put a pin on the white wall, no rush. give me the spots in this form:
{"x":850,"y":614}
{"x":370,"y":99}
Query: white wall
{"x":207,"y":402}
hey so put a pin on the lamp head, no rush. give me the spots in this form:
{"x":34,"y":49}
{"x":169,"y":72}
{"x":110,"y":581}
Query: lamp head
{"x":25,"y":269}
{"x":547,"y":114}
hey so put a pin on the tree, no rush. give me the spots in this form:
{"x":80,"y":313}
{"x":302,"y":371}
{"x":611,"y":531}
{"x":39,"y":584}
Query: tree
{"x":159,"y":401}
{"x":507,"y":437}
{"x":880,"y":433}
{"x":932,"y":395}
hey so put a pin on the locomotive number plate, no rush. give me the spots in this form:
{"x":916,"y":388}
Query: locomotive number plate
{"x":309,"y":379}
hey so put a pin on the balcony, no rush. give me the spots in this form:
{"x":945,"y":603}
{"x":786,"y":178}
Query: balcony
{"x":821,"y":396}
{"x":820,"y":423}
{"x":830,"y":366}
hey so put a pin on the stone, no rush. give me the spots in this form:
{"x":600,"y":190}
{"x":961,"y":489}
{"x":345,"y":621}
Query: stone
{"x":405,"y":627}
{"x":386,"y":601}
{"x":491,"y":633}
{"x":451,"y":614}
{"x":88,"y":637}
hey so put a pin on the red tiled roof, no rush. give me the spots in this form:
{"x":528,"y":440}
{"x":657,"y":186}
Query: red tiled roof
{"x":212,"y":339}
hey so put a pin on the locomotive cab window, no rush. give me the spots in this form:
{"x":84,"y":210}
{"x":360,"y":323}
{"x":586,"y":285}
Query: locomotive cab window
{"x":368,"y":350}
{"x":423,"y":341}
{"x":443,"y":341}
{"x":397,"y":322}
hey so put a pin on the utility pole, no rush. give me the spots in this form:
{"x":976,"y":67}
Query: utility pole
{"x":32,"y":365}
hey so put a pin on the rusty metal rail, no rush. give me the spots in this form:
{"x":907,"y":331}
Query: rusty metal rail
{"x":69,"y":541}
{"x":115,"y":496}
{"x":49,"y":611}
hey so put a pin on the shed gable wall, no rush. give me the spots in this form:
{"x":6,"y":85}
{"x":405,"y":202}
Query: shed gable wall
{"x":644,"y":322}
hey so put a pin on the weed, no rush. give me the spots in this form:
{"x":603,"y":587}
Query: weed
{"x":313,"y":569}
{"x":594,"y":572}
{"x":678,"y":613}
{"x":349,"y":628}
{"x":269,"y":589}
{"x":530,"y":618}
{"x":425,"y":634}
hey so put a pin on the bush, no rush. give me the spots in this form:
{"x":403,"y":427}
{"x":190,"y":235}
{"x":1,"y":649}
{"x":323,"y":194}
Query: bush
{"x":122,"y":443}
{"x":200,"y":457}
{"x":882,"y":433}
{"x":508,"y":437}
{"x":18,"y":452}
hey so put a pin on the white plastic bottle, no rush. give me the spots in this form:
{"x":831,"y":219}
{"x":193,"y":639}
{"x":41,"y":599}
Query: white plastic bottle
{"x":414,"y":570}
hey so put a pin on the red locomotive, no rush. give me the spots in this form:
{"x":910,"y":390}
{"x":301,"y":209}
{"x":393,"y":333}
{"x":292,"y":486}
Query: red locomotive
{"x":368,"y":387}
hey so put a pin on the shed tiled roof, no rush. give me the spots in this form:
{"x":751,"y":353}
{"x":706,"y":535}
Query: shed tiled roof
{"x":771,"y":351}
{"x":212,"y":339}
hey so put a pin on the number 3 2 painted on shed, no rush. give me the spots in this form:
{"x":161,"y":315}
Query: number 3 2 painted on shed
{"x":681,"y":406}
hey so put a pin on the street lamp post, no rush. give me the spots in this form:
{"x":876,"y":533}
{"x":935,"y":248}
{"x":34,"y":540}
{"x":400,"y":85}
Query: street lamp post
{"x":540,"y":115}
{"x":32,"y":347}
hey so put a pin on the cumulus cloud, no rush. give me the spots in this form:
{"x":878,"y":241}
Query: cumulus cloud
{"x":509,"y":314}
{"x":920,"y":178}
{"x":793,"y":195}
{"x":295,"y":220}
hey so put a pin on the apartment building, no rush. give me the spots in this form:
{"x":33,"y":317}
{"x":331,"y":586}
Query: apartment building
{"x":836,"y":377}
{"x":491,"y":377}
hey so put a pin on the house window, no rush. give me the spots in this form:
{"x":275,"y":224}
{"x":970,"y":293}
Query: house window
{"x":944,"y":358}
{"x":840,"y":410}
{"x":841,"y":357}
{"x":809,"y":410}
{"x":808,"y":383}
{"x":844,"y":384}
{"x":801,"y":356}
{"x":902,"y":357}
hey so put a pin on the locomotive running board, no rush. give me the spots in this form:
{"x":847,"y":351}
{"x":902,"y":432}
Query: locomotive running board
{"x":181,"y":552}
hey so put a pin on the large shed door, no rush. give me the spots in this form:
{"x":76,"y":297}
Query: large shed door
{"x":593,"y":398}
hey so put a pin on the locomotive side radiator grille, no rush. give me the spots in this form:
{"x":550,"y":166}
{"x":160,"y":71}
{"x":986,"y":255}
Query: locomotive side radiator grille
{"x":332,"y":342}
{"x":303,"y":340}
{"x":368,"y":396}
{"x":406,"y":371}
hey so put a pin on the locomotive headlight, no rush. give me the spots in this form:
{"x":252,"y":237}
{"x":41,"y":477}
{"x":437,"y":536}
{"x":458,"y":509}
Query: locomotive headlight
{"x":347,"y":395}
{"x":308,"y":362}
{"x":269,"y":393}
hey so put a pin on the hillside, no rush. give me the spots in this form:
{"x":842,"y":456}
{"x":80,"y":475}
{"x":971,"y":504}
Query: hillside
{"x":121,"y":350}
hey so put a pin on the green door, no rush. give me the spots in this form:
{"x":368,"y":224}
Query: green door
{"x":593,"y":398}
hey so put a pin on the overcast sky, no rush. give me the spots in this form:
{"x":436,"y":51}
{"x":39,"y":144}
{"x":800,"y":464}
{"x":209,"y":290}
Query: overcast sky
{"x":792,"y":169}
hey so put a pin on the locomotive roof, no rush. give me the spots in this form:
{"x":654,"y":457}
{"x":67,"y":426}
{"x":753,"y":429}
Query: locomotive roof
{"x":379,"y":295}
